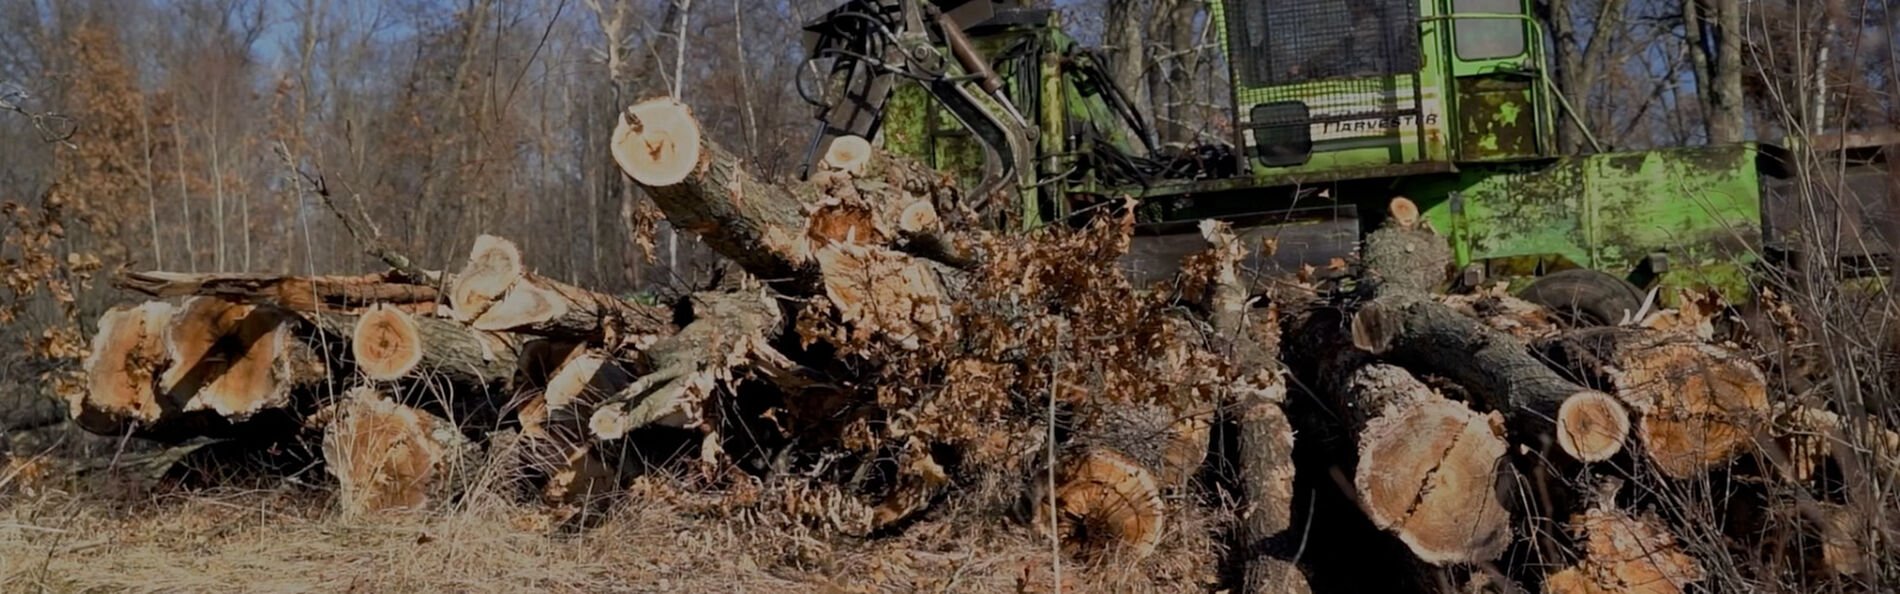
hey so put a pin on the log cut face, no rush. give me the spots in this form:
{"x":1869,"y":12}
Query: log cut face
{"x":1428,"y":472}
{"x":386,"y":344}
{"x":881,"y":293}
{"x":1624,"y":553}
{"x":128,"y":354}
{"x":386,"y":456}
{"x":1428,"y":467}
{"x":233,"y":359}
{"x":1105,"y":504}
{"x":1697,"y":405}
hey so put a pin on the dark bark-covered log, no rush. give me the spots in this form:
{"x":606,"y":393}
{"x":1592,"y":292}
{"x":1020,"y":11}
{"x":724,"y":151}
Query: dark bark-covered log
{"x":1697,"y":405}
{"x":495,"y":292}
{"x":387,"y":456}
{"x":1497,"y":370}
{"x":302,"y":294}
{"x":1251,"y":338}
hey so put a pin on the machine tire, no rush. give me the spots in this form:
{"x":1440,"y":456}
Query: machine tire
{"x":1584,"y":297}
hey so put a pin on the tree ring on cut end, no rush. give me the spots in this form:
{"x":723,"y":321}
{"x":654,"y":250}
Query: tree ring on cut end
{"x":662,"y":148}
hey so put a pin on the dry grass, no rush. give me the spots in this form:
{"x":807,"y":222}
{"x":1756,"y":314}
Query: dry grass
{"x":57,"y":536}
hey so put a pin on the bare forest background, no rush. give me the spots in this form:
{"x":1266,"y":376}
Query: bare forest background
{"x":225,"y":135}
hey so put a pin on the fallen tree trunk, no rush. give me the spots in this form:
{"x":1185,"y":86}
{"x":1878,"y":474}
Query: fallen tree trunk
{"x":302,"y":294}
{"x":1428,"y":467}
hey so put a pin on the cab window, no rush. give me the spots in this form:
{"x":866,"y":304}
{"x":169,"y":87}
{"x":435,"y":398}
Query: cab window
{"x":1489,"y":38}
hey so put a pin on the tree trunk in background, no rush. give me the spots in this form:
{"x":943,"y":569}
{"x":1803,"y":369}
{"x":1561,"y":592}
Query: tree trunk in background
{"x":1718,"y":64}
{"x":1580,"y":65}
{"x":1725,"y":115}
{"x":1126,"y":38}
{"x":1176,"y":60}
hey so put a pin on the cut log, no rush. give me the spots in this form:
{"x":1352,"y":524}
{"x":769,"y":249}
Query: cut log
{"x":1251,"y":337}
{"x":302,"y":294}
{"x":234,"y":359}
{"x":127,"y":355}
{"x":388,"y":457}
{"x":495,"y":292}
{"x":657,"y":142}
{"x":770,"y":230}
{"x":1409,"y":327}
{"x":848,"y":154}
{"x":1105,"y":506}
{"x":1497,"y":370}
{"x":1428,"y":467}
{"x":388,"y":344}
{"x":385,"y":343}
{"x":1697,"y":405}
{"x":1625,"y":553}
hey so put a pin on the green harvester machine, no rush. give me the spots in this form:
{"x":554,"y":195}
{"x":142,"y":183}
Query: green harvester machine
{"x":1338,"y":106}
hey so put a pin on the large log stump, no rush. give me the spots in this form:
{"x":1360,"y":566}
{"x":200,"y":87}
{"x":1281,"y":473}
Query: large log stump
{"x":387,"y":456}
{"x":128,"y":354}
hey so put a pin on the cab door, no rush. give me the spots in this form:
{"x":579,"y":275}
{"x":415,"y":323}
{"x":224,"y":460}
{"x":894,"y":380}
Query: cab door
{"x":1498,"y":85}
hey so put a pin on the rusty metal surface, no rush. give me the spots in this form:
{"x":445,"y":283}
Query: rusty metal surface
{"x":1496,"y":119}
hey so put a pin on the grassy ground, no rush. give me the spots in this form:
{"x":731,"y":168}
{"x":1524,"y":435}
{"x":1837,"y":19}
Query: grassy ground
{"x":65,"y":534}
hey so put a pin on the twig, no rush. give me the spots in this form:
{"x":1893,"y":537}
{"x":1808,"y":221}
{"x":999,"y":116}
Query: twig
{"x":363,"y":231}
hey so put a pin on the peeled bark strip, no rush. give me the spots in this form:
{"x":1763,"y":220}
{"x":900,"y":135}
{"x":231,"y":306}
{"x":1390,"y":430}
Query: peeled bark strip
{"x":128,"y":354}
{"x":303,"y":294}
{"x":495,"y":292}
{"x":1624,"y":553}
{"x":1697,"y":405}
{"x":234,"y":359}
{"x":386,"y":456}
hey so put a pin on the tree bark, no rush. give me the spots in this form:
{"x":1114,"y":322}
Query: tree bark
{"x":1408,"y":326}
{"x":302,"y":294}
{"x":1265,"y":436}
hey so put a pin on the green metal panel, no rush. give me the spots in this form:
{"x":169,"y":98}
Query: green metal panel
{"x":1701,"y":205}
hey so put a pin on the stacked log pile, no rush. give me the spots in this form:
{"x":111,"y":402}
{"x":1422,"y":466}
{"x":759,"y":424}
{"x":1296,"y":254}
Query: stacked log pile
{"x":871,"y":338}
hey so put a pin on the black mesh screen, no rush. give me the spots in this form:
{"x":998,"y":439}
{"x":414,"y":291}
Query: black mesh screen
{"x":1279,"y":42}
